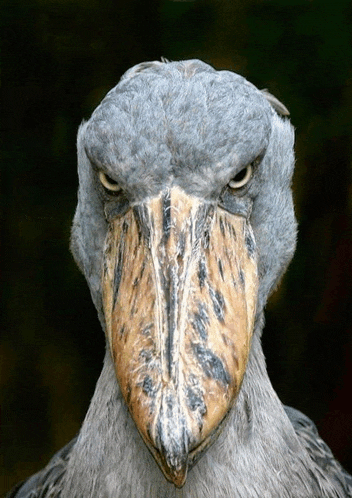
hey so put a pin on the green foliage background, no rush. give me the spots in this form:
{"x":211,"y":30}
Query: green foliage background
{"x":59,"y":59}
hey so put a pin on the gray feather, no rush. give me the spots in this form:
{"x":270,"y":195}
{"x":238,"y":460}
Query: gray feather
{"x":47,"y":482}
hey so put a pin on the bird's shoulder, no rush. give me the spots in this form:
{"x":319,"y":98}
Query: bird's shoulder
{"x":318,"y":450}
{"x":46,"y":482}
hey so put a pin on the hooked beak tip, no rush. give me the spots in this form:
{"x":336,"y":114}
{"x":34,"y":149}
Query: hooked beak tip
{"x":172,"y":440}
{"x":175,"y":468}
{"x":179,"y":477}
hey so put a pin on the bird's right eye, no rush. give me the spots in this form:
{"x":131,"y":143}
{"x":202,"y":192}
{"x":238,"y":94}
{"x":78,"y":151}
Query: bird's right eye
{"x":242,"y":178}
{"x":108,"y":182}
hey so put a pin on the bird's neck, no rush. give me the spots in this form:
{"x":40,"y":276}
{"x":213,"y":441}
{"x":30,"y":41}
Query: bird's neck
{"x":257,"y":449}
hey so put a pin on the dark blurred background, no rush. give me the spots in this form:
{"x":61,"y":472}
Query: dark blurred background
{"x":60,"y":57}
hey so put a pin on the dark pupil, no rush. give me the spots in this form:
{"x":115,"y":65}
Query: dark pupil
{"x":240,"y":175}
{"x":110,"y":180}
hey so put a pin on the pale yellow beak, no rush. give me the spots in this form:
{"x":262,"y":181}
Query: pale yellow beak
{"x":179,"y":289}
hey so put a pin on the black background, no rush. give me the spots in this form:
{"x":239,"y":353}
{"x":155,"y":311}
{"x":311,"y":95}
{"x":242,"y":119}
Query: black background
{"x":59,"y":59}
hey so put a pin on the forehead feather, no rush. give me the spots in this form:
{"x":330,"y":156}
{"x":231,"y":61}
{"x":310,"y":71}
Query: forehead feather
{"x":186,"y":114}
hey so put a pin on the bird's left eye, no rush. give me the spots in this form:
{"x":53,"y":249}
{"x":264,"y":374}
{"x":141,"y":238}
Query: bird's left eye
{"x":242,"y":177}
{"x":108,"y":182}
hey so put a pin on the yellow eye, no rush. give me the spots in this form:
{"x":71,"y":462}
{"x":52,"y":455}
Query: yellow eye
{"x":241,"y":178}
{"x":108,"y":182}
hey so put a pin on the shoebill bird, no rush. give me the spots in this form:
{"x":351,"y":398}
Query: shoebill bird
{"x":184,"y":226}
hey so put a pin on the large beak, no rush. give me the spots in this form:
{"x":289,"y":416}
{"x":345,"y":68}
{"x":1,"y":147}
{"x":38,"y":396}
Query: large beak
{"x":179,"y":290}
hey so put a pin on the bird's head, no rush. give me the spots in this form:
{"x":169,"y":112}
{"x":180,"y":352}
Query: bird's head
{"x":184,"y":225}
